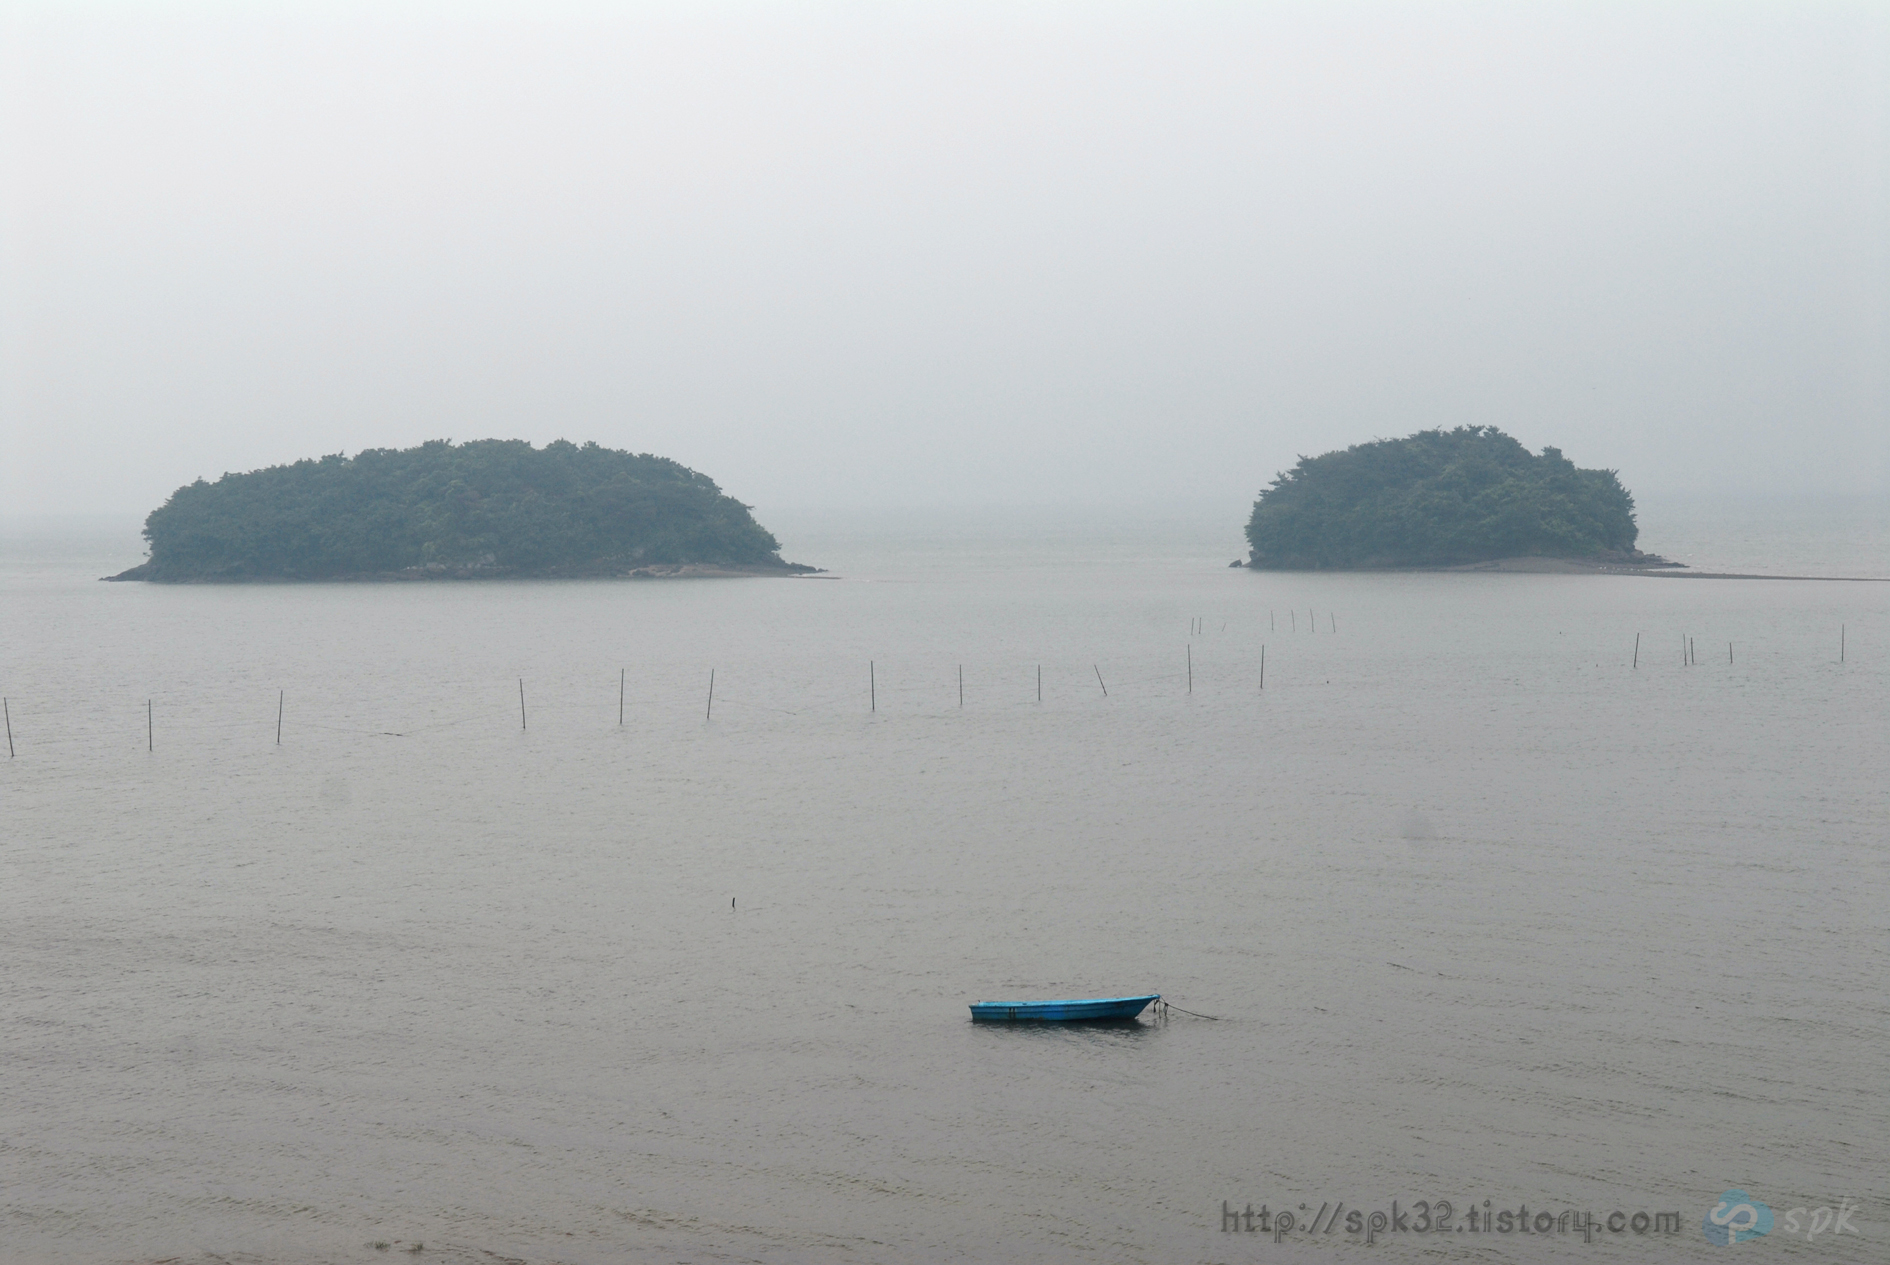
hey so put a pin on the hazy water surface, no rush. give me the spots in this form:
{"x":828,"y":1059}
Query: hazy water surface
{"x":1485,"y":911}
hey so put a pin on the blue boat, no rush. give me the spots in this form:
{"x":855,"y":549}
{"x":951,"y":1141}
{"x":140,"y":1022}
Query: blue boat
{"x":1063,"y":1011}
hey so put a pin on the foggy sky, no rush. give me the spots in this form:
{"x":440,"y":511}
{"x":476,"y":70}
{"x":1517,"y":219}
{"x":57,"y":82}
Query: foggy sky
{"x":871,"y":255}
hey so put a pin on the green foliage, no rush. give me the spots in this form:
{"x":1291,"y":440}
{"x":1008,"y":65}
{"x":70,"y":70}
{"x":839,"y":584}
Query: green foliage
{"x":493,"y":506}
{"x":1437,"y":498}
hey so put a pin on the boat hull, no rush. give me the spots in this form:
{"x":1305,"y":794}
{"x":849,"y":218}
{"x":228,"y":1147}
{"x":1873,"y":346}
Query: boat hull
{"x":1062,"y":1011}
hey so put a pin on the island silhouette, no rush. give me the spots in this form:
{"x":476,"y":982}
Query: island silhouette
{"x":1438,"y":498}
{"x":490,"y":508}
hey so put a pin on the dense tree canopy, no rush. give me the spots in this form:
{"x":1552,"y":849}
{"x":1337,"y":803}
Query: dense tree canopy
{"x":494,"y":506}
{"x":1438,"y":498}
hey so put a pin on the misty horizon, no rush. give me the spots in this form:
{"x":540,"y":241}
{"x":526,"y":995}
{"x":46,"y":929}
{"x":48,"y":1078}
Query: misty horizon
{"x":955,"y":258}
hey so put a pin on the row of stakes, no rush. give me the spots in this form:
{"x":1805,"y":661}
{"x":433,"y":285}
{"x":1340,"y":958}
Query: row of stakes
{"x":1689,"y":657}
{"x":1195,"y":627}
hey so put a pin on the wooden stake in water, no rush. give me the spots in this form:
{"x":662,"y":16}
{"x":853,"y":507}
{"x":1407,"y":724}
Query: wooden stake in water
{"x":1270,"y":625}
{"x":1637,"y":650}
{"x":1099,"y":680}
{"x":280,"y":695}
{"x":521,"y":702}
{"x":6,"y":707}
{"x":710,"y":709}
{"x":1729,"y":652}
{"x":1334,"y":619}
{"x":1040,"y":682}
{"x":1840,"y":643}
{"x":620,"y":675}
{"x":1294,"y":616}
{"x":149,"y":742}
{"x":961,"y":685}
{"x":872,"y":685}
{"x":1263,"y":665}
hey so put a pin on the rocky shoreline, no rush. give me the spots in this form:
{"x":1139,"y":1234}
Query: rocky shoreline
{"x":1645,"y":564}
{"x":486,"y":571}
{"x":1611,"y":561}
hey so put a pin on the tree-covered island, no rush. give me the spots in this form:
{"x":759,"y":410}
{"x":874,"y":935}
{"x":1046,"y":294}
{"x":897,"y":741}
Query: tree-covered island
{"x":1441,"y":498}
{"x":488,"y":508}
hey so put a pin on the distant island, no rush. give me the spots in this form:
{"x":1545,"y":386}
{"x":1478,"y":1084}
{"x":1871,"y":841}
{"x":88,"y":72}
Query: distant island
{"x":486,"y":509}
{"x":1442,"y":498}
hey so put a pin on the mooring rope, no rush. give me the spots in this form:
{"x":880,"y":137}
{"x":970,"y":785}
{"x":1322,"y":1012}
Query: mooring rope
{"x":1168,"y":1005}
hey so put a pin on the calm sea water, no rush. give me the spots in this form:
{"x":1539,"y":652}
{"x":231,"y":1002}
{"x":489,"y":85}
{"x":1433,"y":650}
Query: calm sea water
{"x":1485,"y":912}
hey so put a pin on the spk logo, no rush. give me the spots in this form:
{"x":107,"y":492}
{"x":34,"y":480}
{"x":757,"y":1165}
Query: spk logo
{"x":1737,"y":1218}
